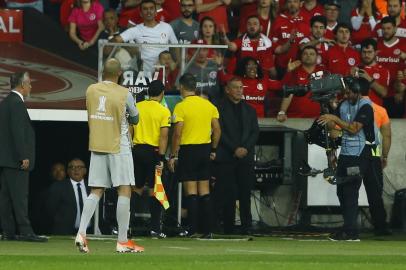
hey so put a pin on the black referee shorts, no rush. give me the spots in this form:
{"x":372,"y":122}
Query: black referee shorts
{"x":145,"y":158}
{"x":194,"y":162}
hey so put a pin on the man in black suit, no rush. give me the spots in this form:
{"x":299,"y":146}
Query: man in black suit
{"x":65,"y":199}
{"x":235,"y":157}
{"x":17,"y":158}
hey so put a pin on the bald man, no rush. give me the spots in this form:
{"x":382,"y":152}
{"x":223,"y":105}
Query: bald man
{"x":111,"y":162}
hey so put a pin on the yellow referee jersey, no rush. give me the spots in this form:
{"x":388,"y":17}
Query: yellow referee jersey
{"x":196,"y":114}
{"x":153,"y":116}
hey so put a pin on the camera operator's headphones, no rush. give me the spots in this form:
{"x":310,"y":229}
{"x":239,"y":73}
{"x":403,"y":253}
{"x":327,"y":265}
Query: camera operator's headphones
{"x":357,"y":85}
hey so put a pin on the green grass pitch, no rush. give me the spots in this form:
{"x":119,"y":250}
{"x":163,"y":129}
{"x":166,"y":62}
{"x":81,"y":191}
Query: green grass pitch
{"x":175,"y":253}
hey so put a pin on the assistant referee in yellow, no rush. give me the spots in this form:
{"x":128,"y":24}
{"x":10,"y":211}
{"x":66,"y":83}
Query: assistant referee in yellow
{"x":195,"y":138}
{"x":150,"y":142}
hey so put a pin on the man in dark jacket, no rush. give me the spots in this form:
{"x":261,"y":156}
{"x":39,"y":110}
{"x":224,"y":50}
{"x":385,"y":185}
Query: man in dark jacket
{"x":235,"y":157}
{"x":17,"y":157}
{"x":65,"y":199}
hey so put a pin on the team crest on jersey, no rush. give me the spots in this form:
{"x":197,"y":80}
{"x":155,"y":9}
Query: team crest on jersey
{"x":163,"y":36}
{"x":396,"y":52}
{"x":351,"y":61}
{"x":260,"y":87}
{"x":376,"y":76}
{"x":213,"y":75}
{"x":92,"y":16}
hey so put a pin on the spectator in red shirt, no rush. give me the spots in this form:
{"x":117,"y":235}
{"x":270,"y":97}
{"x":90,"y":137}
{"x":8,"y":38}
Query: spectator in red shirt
{"x":256,"y":86}
{"x":391,"y":54}
{"x":377,"y":75}
{"x":216,"y":9}
{"x":318,"y":26}
{"x":342,"y":57}
{"x":331,"y":11}
{"x":299,"y":73}
{"x":288,"y":29}
{"x":87,"y":19}
{"x":266,"y":10}
{"x":254,"y":44}
{"x":311,"y":8}
{"x":364,"y":19}
{"x":208,"y":35}
{"x":171,"y":70}
{"x":394,"y":10}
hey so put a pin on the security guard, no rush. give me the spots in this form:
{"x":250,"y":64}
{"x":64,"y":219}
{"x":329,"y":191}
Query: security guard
{"x":195,"y":139}
{"x":150,"y":142}
{"x":355,"y":117}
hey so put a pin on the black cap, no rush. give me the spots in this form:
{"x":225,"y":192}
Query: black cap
{"x":357,"y":85}
{"x":333,"y":3}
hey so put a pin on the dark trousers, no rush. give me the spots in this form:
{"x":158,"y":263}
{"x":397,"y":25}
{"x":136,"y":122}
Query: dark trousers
{"x":373,"y":182}
{"x":234,"y":180}
{"x":14,"y":201}
{"x":348,"y":192}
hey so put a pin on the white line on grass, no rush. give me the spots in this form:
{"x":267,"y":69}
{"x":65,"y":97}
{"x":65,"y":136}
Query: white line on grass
{"x":183,"y":248}
{"x":253,"y":251}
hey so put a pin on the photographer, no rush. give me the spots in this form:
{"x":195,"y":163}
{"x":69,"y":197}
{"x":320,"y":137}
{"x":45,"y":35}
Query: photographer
{"x":355,"y":117}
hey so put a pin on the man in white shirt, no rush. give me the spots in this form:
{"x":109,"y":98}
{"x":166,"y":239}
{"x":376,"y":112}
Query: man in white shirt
{"x":65,"y":200}
{"x":150,"y":31}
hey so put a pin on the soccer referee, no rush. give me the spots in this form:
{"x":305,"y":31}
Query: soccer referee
{"x":194,"y":142}
{"x":150,"y":141}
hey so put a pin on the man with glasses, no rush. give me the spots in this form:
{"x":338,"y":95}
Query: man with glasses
{"x":186,"y":29}
{"x":17,"y":158}
{"x":65,"y":199}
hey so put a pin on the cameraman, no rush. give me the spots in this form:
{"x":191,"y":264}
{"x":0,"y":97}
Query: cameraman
{"x":355,"y":117}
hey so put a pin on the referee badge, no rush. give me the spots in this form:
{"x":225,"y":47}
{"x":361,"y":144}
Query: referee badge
{"x":173,"y":118}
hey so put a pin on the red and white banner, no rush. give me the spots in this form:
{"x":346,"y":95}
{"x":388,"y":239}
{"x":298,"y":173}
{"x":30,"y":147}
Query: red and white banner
{"x":11,"y":25}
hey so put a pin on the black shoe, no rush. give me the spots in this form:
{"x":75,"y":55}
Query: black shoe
{"x":32,"y":238}
{"x":343,"y":236}
{"x":8,"y":237}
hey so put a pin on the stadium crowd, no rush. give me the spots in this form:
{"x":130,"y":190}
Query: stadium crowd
{"x":273,"y":33}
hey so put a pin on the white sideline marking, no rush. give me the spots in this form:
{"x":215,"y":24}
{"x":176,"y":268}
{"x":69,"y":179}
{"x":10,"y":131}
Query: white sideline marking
{"x":253,"y":251}
{"x":183,"y":248}
{"x":224,"y":239}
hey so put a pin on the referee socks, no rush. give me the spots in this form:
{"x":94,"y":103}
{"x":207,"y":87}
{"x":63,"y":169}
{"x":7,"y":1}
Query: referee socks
{"x":155,"y":209}
{"x":192,"y":213}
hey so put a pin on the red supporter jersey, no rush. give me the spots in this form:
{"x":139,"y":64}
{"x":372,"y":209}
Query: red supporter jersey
{"x":219,"y":15}
{"x":260,"y":49}
{"x":254,"y":90}
{"x":173,"y":9}
{"x":389,"y":57}
{"x":322,"y":49}
{"x":382,"y":76}
{"x":400,"y":32}
{"x":281,"y":29}
{"x":265,"y":23}
{"x":365,"y":31}
{"x":65,"y":11}
{"x":301,"y":107}
{"x":340,"y":60}
{"x":330,"y":32}
{"x":308,"y":14}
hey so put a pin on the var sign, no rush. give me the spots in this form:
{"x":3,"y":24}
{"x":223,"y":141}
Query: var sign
{"x":11,"y":25}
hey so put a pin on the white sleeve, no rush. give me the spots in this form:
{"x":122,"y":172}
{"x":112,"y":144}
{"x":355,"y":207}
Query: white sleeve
{"x":356,"y":22}
{"x":130,"y":34}
{"x":372,"y":22}
{"x":172,"y":37}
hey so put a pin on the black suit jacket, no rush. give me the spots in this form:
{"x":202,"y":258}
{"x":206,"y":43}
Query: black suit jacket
{"x":62,"y":207}
{"x":229,"y":128}
{"x":17,"y":137}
